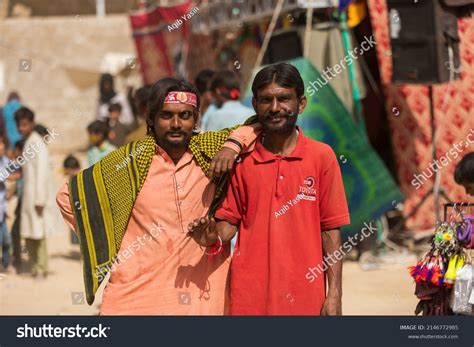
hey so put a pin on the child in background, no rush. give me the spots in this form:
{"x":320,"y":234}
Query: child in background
{"x":18,"y":191}
{"x":100,"y":146}
{"x":464,"y":173}
{"x":72,"y":168}
{"x":118,"y":132}
{"x":5,"y":239}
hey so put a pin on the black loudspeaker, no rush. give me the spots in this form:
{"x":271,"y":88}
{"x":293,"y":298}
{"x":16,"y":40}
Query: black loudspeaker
{"x":283,"y":46}
{"x":425,"y":41}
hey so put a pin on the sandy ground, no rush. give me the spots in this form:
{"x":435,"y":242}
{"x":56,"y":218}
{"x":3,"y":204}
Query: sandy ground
{"x":376,"y":292}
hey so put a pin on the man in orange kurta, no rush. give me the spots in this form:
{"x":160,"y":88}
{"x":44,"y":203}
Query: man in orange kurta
{"x":160,"y":270}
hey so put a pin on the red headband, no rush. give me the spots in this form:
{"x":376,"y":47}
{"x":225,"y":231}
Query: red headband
{"x":181,"y":98}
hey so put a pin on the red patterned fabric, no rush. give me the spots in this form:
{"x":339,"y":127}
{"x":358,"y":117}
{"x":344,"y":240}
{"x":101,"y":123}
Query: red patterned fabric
{"x":408,"y":110}
{"x":154,"y":40}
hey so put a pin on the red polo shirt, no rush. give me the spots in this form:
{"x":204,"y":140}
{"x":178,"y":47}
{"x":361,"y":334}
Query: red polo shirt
{"x":282,"y":202}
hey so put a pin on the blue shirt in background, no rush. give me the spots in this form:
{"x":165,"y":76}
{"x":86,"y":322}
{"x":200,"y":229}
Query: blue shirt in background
{"x":9,"y":118}
{"x":231,"y":113}
{"x":3,"y":191}
{"x":205,"y":118}
{"x":94,"y":154}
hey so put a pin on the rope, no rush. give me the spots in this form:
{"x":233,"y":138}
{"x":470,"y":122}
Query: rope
{"x":307,"y":33}
{"x":269,"y":33}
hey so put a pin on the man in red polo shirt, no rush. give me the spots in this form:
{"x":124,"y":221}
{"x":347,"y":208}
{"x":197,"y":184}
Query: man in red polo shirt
{"x":287,"y":199}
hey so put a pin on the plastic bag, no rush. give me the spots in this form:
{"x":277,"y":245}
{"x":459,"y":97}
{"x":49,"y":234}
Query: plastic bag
{"x":462,"y":291}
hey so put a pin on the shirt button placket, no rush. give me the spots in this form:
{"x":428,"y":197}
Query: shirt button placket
{"x":179,"y":200}
{"x":279,"y":177}
{"x":179,"y":192}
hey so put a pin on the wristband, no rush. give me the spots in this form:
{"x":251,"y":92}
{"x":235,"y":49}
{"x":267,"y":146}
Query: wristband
{"x":217,"y":248}
{"x":235,"y":142}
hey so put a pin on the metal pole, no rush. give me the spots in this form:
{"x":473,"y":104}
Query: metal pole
{"x":307,"y":35}
{"x":357,"y":111}
{"x":269,"y":33}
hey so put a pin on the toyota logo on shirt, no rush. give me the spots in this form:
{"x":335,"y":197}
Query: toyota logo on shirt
{"x":309,"y":181}
{"x":307,"y":192}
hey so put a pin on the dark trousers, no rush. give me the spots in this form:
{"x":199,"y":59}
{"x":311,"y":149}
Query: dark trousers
{"x":5,"y":244}
{"x":16,"y":242}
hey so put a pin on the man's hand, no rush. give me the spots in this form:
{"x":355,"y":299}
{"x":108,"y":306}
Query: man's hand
{"x":332,"y":305}
{"x":39,"y":210}
{"x":203,"y":231}
{"x":222,"y":162}
{"x":331,"y":243}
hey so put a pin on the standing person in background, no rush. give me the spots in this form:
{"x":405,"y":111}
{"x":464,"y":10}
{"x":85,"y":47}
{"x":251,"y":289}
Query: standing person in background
{"x":99,"y":145}
{"x":13,"y":104}
{"x":109,"y":96}
{"x":18,"y":191}
{"x":5,"y":239}
{"x":36,"y":209}
{"x":203,"y":85}
{"x":133,"y":108}
{"x":140,"y":99}
{"x":117,"y":131}
{"x":225,"y":87}
{"x":71,"y":168}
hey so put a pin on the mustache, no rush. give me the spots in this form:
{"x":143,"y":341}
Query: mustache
{"x":281,"y":114}
{"x":177,"y":132}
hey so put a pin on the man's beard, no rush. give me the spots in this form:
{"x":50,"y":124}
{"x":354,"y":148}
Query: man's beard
{"x":165,"y":142}
{"x":286,"y":127}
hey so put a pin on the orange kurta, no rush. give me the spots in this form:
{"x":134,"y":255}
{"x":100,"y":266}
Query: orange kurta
{"x":161,"y":271}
